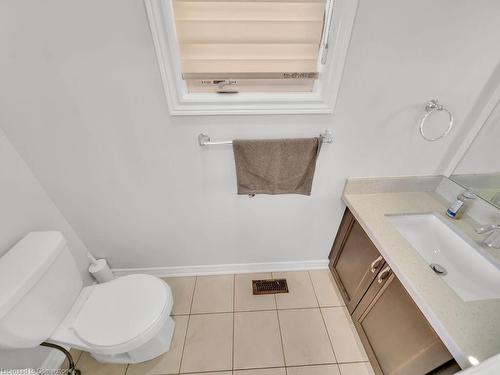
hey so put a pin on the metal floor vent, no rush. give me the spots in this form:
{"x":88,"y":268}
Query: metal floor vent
{"x":270,"y":286}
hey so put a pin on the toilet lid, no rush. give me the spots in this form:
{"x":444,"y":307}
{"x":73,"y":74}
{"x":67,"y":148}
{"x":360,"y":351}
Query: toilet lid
{"x":121,"y":310}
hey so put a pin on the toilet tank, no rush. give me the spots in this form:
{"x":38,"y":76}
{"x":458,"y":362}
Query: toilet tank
{"x":39,"y":282}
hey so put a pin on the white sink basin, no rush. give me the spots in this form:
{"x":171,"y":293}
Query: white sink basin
{"x":469,"y":273}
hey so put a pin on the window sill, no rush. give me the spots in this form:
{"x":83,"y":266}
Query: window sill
{"x":249,"y":103}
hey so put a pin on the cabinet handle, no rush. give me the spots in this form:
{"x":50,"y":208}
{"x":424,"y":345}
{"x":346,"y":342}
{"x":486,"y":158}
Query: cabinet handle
{"x":376,"y":263}
{"x":383,"y":274}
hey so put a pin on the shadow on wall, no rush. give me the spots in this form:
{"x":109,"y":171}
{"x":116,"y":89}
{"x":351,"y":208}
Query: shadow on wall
{"x":26,"y":208}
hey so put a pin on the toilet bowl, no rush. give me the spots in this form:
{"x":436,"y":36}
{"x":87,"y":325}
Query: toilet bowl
{"x":126,"y":320}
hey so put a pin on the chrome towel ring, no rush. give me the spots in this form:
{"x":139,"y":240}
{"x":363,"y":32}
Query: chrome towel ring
{"x":431,"y":107}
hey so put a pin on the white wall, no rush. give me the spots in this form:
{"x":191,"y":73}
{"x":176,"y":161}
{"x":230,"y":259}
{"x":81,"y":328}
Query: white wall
{"x":25,"y":207}
{"x":82,"y":101}
{"x":483,"y":154}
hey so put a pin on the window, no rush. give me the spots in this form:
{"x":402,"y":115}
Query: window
{"x":251,"y":56}
{"x":256,"y":46}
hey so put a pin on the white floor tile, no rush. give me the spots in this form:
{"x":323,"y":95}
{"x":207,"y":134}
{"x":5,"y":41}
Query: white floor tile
{"x":209,"y":343}
{"x":305,"y":339}
{"x":263,"y":371}
{"x":257,"y":340}
{"x":213,"y":294}
{"x":314,"y":370}
{"x":360,"y":368}
{"x":325,"y":288}
{"x":182,"y":291}
{"x":345,"y":339}
{"x":301,"y":292}
{"x":75,"y":353}
{"x":88,"y":365}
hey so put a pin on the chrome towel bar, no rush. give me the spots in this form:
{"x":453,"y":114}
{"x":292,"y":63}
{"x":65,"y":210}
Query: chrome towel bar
{"x":204,"y":139}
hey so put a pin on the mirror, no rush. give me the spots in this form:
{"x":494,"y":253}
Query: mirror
{"x":479,"y":169}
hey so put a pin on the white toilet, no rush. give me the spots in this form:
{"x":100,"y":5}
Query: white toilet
{"x":42,"y":298}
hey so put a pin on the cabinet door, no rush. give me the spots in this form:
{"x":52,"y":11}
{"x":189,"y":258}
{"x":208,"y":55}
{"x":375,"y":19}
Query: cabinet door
{"x":354,"y":261}
{"x":397,"y":337}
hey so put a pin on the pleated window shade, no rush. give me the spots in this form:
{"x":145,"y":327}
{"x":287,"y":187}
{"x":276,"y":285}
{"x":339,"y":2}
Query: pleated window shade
{"x":256,"y":45}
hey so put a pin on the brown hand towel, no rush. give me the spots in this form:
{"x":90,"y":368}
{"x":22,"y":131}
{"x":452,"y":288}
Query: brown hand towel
{"x":276,"y":166}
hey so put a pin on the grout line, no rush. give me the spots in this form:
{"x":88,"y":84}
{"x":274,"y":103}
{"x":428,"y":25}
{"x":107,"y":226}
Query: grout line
{"x":275,"y":302}
{"x":187,"y":325}
{"x":275,"y":299}
{"x":205,"y":372}
{"x":316,"y":364}
{"x":340,"y":370}
{"x":234,"y":293}
{"x":274,"y":367}
{"x":250,"y":310}
{"x":323,"y":318}
{"x":259,"y":368}
{"x":181,"y":314}
{"x":262,"y":310}
{"x":314,"y":288}
{"x":79,"y":356}
{"x":281,"y":338}
{"x":78,"y":359}
{"x":328,"y":363}
{"x":192,"y":295}
{"x":279,"y":327}
{"x":366,"y":362}
{"x":209,"y":313}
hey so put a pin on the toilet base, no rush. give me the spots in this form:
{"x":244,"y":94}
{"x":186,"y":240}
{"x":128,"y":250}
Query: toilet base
{"x":155,"y":347}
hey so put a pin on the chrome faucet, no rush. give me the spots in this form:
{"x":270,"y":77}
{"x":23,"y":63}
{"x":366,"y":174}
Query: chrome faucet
{"x":493,"y":239}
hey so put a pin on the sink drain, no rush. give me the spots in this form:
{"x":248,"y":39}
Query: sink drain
{"x":439,"y":269}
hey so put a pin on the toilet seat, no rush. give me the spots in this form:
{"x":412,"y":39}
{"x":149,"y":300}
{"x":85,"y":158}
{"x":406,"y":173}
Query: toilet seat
{"x":123,"y":313}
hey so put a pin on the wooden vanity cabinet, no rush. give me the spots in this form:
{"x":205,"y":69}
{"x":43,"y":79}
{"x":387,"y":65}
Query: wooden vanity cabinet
{"x":354,"y":261}
{"x":395,"y":334}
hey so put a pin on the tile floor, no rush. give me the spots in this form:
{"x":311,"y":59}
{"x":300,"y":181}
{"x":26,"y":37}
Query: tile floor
{"x":222,"y":328}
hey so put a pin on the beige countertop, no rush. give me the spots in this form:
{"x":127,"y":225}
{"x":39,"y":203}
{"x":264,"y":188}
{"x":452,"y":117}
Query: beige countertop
{"x":470,"y":330}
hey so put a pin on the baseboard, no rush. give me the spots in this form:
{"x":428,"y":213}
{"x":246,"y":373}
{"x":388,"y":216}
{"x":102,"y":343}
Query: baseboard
{"x":221,"y":269}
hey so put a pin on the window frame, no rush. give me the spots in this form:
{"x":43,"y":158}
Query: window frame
{"x":180,"y":102}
